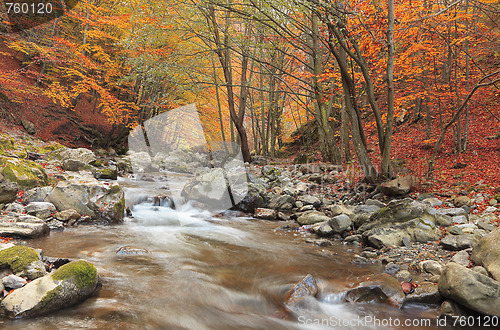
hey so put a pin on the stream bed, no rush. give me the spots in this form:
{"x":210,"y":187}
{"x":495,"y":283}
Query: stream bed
{"x":209,"y":272}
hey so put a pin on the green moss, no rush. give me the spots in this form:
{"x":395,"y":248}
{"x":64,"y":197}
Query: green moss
{"x":17,"y":257}
{"x":49,"y":148}
{"x":26,"y":173}
{"x":83,"y":273}
{"x":113,"y":190}
{"x":50,"y":296}
{"x":119,"y":207}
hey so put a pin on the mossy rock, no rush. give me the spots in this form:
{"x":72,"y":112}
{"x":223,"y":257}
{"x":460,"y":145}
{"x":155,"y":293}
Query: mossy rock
{"x":119,"y":207}
{"x":26,"y":173}
{"x":49,"y":148}
{"x":18,"y":257}
{"x":83,"y":273}
{"x":6,"y":145}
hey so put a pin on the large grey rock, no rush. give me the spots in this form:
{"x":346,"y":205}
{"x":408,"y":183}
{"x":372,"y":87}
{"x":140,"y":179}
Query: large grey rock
{"x":42,"y":210}
{"x":82,"y":155}
{"x":340,"y":223}
{"x":487,"y":253}
{"x":399,"y":186}
{"x":453,"y":212}
{"x":431,"y":266}
{"x":8,"y":191}
{"x":457,"y":242}
{"x":461,"y":258}
{"x":282,"y":202}
{"x":22,"y":226}
{"x":70,"y":284}
{"x":255,"y":198}
{"x":307,"y":287}
{"x":73,"y":165}
{"x":312,"y":217}
{"x":470,"y":289}
{"x":89,"y":196}
{"x":15,"y":208}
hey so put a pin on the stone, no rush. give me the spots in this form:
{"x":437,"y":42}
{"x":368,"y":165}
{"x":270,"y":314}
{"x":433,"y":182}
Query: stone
{"x":22,"y":226}
{"x":8,"y":190}
{"x":457,"y":242}
{"x":490,"y":209}
{"x":431,"y":266}
{"x":392,"y":269}
{"x":255,"y":198}
{"x":461,"y":258}
{"x":29,"y":126}
{"x":68,"y":285}
{"x":73,"y":165}
{"x":322,"y":228}
{"x":493,"y":202}
{"x":312,"y":217}
{"x":307,"y":287}
{"x":13,"y":282}
{"x":434,"y":278}
{"x":42,"y":210}
{"x":282,"y":202}
{"x":310,"y":200}
{"x":370,"y":209}
{"x":424,"y":293}
{"x":376,"y":288}
{"x":487,"y":253}
{"x":461,"y":201}
{"x":306,"y":208}
{"x":132,"y":251}
{"x":55,"y":225}
{"x":353,"y":239}
{"x":25,"y":173}
{"x":338,"y":209}
{"x":38,"y":194}
{"x":452,"y":212}
{"x":433,"y":201}
{"x":480,"y":270}
{"x":374,"y":202}
{"x":369,"y":254}
{"x":403,"y":276}
{"x":267,"y":214}
{"x":15,"y":208}
{"x":124,"y":165}
{"x":460,"y":219}
{"x":67,"y":215}
{"x":18,"y":258}
{"x":398,"y":187}
{"x":82,"y":155}
{"x":470,"y":289}
{"x":88,"y":196}
{"x":485,"y":226}
{"x":340,"y":223}
{"x":105,"y":173}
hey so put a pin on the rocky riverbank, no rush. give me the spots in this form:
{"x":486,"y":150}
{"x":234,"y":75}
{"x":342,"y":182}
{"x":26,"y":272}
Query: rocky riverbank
{"x":434,"y":250}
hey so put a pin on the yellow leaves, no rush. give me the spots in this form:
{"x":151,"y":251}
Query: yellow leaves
{"x":58,"y":94}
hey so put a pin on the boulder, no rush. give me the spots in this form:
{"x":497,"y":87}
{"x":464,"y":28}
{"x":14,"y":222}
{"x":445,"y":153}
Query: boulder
{"x":18,"y":259}
{"x":424,"y":293}
{"x":15,"y":208}
{"x":431,"y":266}
{"x":487,"y":253}
{"x":398,"y":187}
{"x":457,"y":242}
{"x":461,"y":258}
{"x":42,"y":210}
{"x":322,"y":228}
{"x":307,"y":287}
{"x":255,"y":198}
{"x":470,"y":289}
{"x":81,"y":155}
{"x":453,"y":212}
{"x":282,"y":202}
{"x":22,"y":226}
{"x":29,"y":126}
{"x":340,"y":223}
{"x":73,"y":165}
{"x":338,"y":209}
{"x":124,"y":165}
{"x":25,"y":173}
{"x":67,"y":215}
{"x":267,"y":214}
{"x":88,"y":196}
{"x":461,"y":201}
{"x":68,"y":285}
{"x":105,"y":173}
{"x":312,"y":217}
{"x":377,"y":288}
{"x":8,"y":191}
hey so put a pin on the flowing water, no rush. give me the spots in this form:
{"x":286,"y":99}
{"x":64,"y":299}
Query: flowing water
{"x":207,"y":272}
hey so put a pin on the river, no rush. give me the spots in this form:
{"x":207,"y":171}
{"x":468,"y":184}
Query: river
{"x":208,"y":272}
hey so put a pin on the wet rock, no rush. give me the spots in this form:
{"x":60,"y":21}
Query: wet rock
{"x":67,"y":286}
{"x":255,"y":198}
{"x":310,"y":200}
{"x":470,"y":289}
{"x":67,"y":215}
{"x":132,"y":251}
{"x":340,"y":223}
{"x":457,"y":242}
{"x":487,"y":253}
{"x":55,"y":225}
{"x":312,"y":217}
{"x":42,"y":210}
{"x":450,"y":311}
{"x":124,"y":165}
{"x":13,"y":282}
{"x":18,"y":259}
{"x":307,"y":287}
{"x":377,"y":288}
{"x":432,"y":267}
{"x":89,"y":196}
{"x":403,"y":276}
{"x":399,"y":186}
{"x":22,"y":226}
{"x":461,"y":258}
{"x":266,"y":214}
{"x":369,"y":254}
{"x":353,"y":239}
{"x":8,"y":190}
{"x":424,"y":293}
